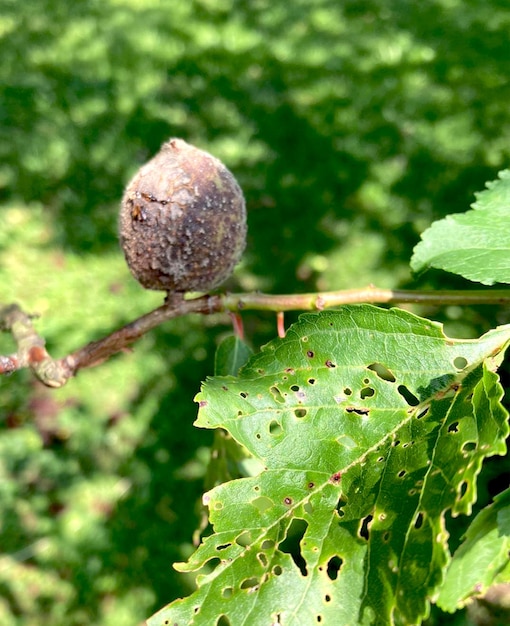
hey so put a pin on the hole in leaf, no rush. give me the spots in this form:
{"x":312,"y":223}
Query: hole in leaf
{"x":423,"y":413}
{"x":262,"y":503}
{"x":408,"y":396}
{"x":463,"y":488}
{"x":250,"y":583}
{"x":244,"y":539}
{"x":277,"y":570}
{"x":383,"y":372}
{"x":267,"y":544}
{"x":357,"y":410}
{"x":367,"y":392}
{"x":339,"y":507}
{"x":347,"y":391}
{"x":386,"y":536}
{"x":294,"y":388}
{"x":469,"y":446}
{"x":366,"y":381}
{"x":311,"y":381}
{"x":334,"y":565}
{"x":213,"y":562}
{"x":395,"y":443}
{"x":319,"y":619}
{"x":453,"y":427}
{"x":224,"y":546}
{"x":223,"y":621}
{"x":311,"y":485}
{"x":327,"y":598}
{"x":277,"y":394}
{"x":310,"y":354}
{"x":418,"y":522}
{"x":460,"y":362}
{"x":227,"y":592}
{"x":287,"y":501}
{"x":262,"y":558}
{"x":300,"y":412}
{"x":364,"y":530}
{"x":243,"y":394}
{"x":275,"y":428}
{"x":402,"y":473}
{"x":330,"y":364}
{"x":292,"y":543}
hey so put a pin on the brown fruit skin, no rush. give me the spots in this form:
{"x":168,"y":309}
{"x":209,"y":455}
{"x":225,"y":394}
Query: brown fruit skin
{"x":182,"y":221}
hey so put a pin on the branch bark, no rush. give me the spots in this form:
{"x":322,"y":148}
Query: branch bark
{"x":32,"y":353}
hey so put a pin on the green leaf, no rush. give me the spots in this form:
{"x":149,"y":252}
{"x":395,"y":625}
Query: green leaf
{"x":370,"y":424}
{"x":231,"y":355}
{"x":482,"y":559}
{"x":475,"y":244}
{"x":228,"y":459}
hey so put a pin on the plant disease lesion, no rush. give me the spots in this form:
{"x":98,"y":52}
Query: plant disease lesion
{"x":182,"y":221}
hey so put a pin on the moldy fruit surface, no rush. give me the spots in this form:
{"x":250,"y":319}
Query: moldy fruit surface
{"x":182,"y":220}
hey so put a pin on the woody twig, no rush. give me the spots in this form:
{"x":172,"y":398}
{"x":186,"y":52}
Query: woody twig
{"x":31,"y":351}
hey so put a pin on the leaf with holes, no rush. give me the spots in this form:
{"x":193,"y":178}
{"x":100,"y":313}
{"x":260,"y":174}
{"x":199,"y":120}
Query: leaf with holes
{"x":475,"y":244}
{"x":482,"y":559}
{"x":370,"y":425}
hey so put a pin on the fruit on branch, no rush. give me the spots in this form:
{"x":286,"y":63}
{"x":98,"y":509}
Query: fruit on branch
{"x":182,"y":220}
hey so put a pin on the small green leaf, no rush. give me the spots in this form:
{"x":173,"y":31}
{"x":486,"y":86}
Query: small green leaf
{"x":482,"y":559}
{"x":228,"y":459}
{"x":370,"y":425}
{"x":231,"y":355}
{"x":475,"y":244}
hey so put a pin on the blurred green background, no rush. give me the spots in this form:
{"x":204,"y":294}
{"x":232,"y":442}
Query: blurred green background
{"x":350,"y":126}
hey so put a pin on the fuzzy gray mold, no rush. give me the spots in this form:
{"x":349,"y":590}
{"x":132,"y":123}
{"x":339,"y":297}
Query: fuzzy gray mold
{"x":182,"y":220}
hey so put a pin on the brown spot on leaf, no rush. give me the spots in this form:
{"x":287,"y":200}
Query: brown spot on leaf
{"x":336,"y":477}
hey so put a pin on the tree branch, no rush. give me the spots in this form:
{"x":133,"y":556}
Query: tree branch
{"x":370,"y":294}
{"x":31,"y":351}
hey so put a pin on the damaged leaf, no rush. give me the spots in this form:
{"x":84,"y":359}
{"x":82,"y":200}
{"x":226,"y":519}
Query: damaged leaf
{"x":370,"y":425}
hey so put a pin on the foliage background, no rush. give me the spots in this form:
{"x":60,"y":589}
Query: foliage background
{"x":350,"y":126}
